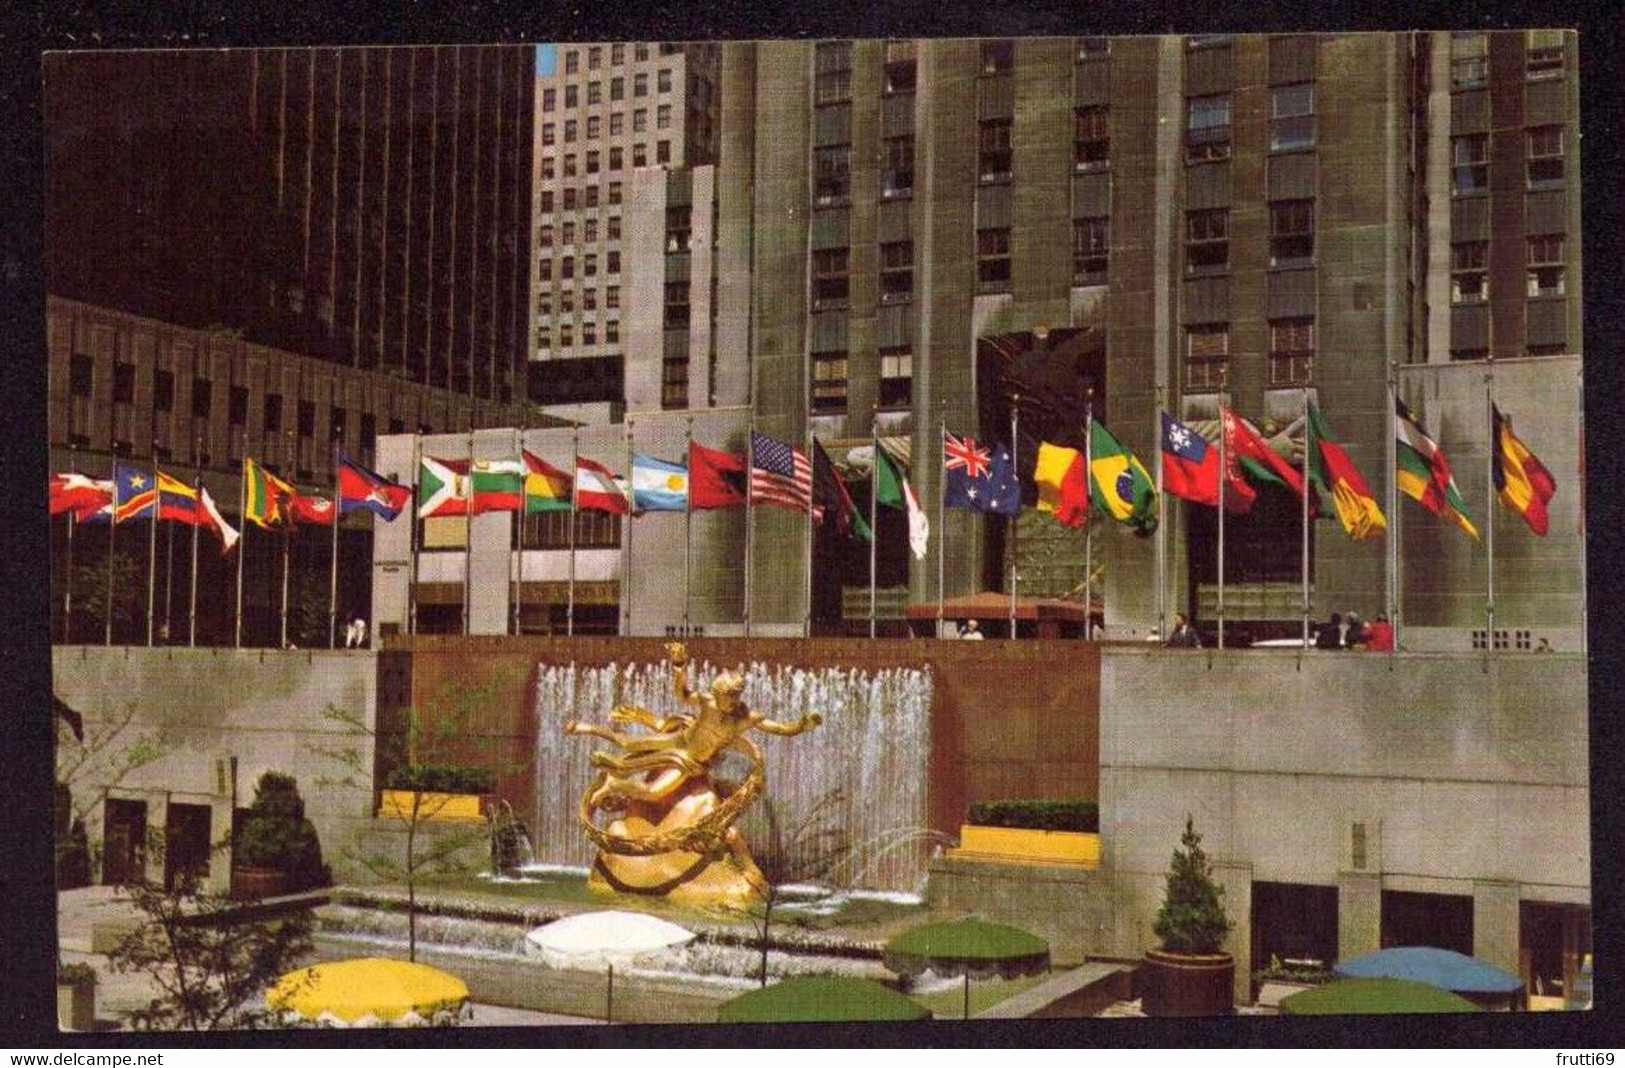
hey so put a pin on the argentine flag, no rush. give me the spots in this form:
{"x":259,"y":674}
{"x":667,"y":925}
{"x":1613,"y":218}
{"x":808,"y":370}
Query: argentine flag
{"x":658,"y":485}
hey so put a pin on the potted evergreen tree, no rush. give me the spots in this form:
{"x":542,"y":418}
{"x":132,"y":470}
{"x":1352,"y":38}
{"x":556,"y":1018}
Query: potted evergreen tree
{"x":75,"y":997}
{"x":1190,"y":975}
{"x":277,"y":851}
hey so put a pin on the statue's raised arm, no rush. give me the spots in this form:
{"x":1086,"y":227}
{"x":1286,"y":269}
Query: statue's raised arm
{"x":677,"y":652}
{"x":773,"y":726}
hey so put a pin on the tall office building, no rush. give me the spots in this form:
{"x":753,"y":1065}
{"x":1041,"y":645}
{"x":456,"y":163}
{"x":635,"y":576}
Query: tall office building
{"x":624,"y":158}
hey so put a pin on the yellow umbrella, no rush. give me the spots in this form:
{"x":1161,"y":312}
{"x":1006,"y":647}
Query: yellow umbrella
{"x":370,"y":992}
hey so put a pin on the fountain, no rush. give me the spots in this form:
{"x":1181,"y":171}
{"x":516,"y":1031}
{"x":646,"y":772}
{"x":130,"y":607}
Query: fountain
{"x":511,"y":847}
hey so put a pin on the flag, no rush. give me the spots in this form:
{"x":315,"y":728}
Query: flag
{"x":311,"y":508}
{"x":1062,"y":488}
{"x":1190,"y":466}
{"x":893,"y":490}
{"x":1246,"y":447}
{"x":135,"y":493}
{"x":1423,"y":474}
{"x":496,"y":486}
{"x":833,"y":499}
{"x":79,"y":494}
{"x":442,"y":487}
{"x":1332,"y":469}
{"x":1524,"y":484}
{"x":658,"y":485}
{"x":547,"y":489}
{"x":360,"y":488}
{"x":210,"y":519}
{"x":978,"y":478}
{"x":779,"y":474}
{"x":265,"y":496}
{"x":716,"y":479}
{"x":599,"y":488}
{"x":176,"y":500}
{"x":1119,"y":483}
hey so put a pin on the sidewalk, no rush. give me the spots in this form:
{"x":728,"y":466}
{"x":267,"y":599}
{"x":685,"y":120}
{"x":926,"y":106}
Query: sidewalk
{"x":117,"y":994}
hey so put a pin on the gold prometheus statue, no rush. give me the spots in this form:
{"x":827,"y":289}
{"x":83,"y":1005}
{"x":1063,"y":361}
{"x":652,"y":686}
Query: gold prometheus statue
{"x":671,"y":796}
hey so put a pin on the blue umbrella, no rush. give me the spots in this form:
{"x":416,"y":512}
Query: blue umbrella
{"x":1426,"y":964}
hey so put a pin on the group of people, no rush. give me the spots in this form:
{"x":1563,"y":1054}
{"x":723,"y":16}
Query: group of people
{"x":1351,"y":632}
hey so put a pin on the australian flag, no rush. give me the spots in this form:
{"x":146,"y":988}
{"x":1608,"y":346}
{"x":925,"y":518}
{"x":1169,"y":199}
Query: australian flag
{"x":979,"y":477}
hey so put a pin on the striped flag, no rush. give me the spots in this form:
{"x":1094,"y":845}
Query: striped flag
{"x":265,"y":497}
{"x":1522,"y":481}
{"x":135,"y":492}
{"x":80,"y":494}
{"x":1423,"y":473}
{"x":547,"y":489}
{"x":779,"y":474}
{"x":600,"y":489}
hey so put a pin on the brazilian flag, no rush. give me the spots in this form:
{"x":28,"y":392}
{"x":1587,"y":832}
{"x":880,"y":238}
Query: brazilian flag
{"x":1119,"y":484}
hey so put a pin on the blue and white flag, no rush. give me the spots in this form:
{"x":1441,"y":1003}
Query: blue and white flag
{"x":658,"y":485}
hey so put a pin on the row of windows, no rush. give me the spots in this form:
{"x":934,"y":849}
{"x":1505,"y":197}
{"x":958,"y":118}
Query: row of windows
{"x":567,"y":300}
{"x":617,"y":55}
{"x":1292,"y":122}
{"x":588,"y":197}
{"x":594,"y":159}
{"x":830,"y":379}
{"x":551,"y":530}
{"x":1469,"y":269}
{"x":594,"y":127}
{"x":617,"y":90}
{"x":1470,"y":58}
{"x":1543,"y":160}
{"x":1291,"y":355}
{"x":1292,"y":236}
{"x":589,"y":335}
{"x":567,"y":231}
{"x":589,"y":266}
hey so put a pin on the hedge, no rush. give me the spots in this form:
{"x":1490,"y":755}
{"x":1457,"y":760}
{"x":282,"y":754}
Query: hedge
{"x":443,"y":779}
{"x":1074,"y":815}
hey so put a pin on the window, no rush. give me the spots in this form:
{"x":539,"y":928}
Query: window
{"x":1207,"y":356}
{"x":1546,"y":266}
{"x":1207,"y":239}
{"x":901,"y":77}
{"x":566,"y":336}
{"x":544,"y":236}
{"x":548,"y":133}
{"x":614,"y":261}
{"x":662,"y":151}
{"x":896,"y":271}
{"x":614,"y":228}
{"x":589,"y":230}
{"x":993,"y":145}
{"x":547,"y":200}
{"x":830,"y":279}
{"x":1292,"y":117}
{"x":571,"y":130}
{"x":571,"y":99}
{"x":592,"y":161}
{"x":1469,"y":164}
{"x":589,"y":300}
{"x":1207,"y":128}
{"x":676,"y":304}
{"x":237,"y":409}
{"x":594,"y":127}
{"x":615,"y":192}
{"x":202,"y":398}
{"x":640,"y":120}
{"x":591,"y":196}
{"x":273,"y":411}
{"x":832,"y":173}
{"x":1545,"y":157}
{"x":993,"y":258}
{"x":617,"y":88}
{"x":617,"y":158}
{"x":640,"y":84}
{"x":1469,"y":60}
{"x":617,"y":53}
{"x":998,"y":57}
{"x":544,"y":270}
{"x":640,"y":155}
{"x":1090,"y":243}
{"x":589,"y":265}
{"x":123,"y":383}
{"x":548,"y":168}
{"x":589,"y":332}
{"x":617,"y":123}
{"x":1092,"y":48}
{"x":896,"y":377}
{"x":571,"y":61}
{"x":612,"y":332}
{"x":1208,"y":40}
{"x":1469,"y":354}
{"x":833,"y":78}
{"x":663,"y":80}
{"x":829,"y":382}
{"x":567,"y":232}
{"x":81,"y":372}
{"x":897,"y":172}
{"x":612,"y":294}
{"x":640,"y":52}
{"x":1543,"y":56}
{"x":674,"y":382}
{"x":550,"y":99}
{"x":1292,"y":351}
{"x":567,"y":267}
{"x":595,"y":58}
{"x":1292,"y":232}
{"x":663,"y":117}
{"x":1091,"y":138}
{"x":679,"y":224}
{"x":570,"y":165}
{"x":567,"y":302}
{"x":544,"y":302}
{"x":1469,"y":272}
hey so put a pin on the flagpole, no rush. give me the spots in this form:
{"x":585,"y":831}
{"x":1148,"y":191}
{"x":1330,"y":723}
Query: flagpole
{"x":874,"y":518}
{"x":152,"y":551}
{"x":1015,"y":415}
{"x":806,"y":586}
{"x":67,"y":595}
{"x":333,"y":564}
{"x":516,"y":534}
{"x":750,"y":507}
{"x":688,"y":524}
{"x":1306,"y":491}
{"x":1089,"y":527}
{"x":287,"y":532}
{"x":1489,"y":527}
{"x":242,"y":547}
{"x":169,"y":577}
{"x":575,"y":482}
{"x":1162,"y":528}
{"x":1223,"y":399}
{"x":191,"y":608}
{"x":1580,"y":440}
{"x":468,"y":525}
{"x":1393,"y":506}
{"x":112,"y":531}
{"x":417,"y":500}
{"x":942,"y":510}
{"x":626,"y":541}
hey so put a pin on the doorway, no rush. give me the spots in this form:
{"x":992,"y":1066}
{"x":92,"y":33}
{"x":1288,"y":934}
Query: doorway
{"x":1444,"y":921}
{"x":1294,"y":922}
{"x":186,"y":844}
{"x":125,"y":841}
{"x":1552,"y":941}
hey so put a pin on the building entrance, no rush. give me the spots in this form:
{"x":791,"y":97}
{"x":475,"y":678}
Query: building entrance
{"x":186,"y":844}
{"x":125,"y":834}
{"x":1444,"y":921}
{"x":1294,"y":922}
{"x":1552,"y":941}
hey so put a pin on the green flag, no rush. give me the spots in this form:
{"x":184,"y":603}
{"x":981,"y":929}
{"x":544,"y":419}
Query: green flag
{"x":893,"y":490}
{"x":1119,"y":484}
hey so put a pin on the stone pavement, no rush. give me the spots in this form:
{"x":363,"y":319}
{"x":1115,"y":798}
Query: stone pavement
{"x":79,"y":911}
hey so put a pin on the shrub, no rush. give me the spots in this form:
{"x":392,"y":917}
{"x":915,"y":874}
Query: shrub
{"x":443,"y":779}
{"x":1191,"y":919}
{"x":275,"y":833}
{"x":76,"y":974}
{"x":1075,"y":815}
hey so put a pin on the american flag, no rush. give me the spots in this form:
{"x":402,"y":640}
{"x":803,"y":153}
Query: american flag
{"x":779,"y":474}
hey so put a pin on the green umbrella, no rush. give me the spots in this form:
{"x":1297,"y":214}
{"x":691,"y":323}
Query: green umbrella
{"x":968,"y":948}
{"x":1351,"y":996}
{"x":821,"y":999}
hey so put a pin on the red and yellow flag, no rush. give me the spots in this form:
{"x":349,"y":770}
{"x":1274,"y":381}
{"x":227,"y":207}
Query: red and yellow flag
{"x":1524,"y":484}
{"x":1331,"y":469}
